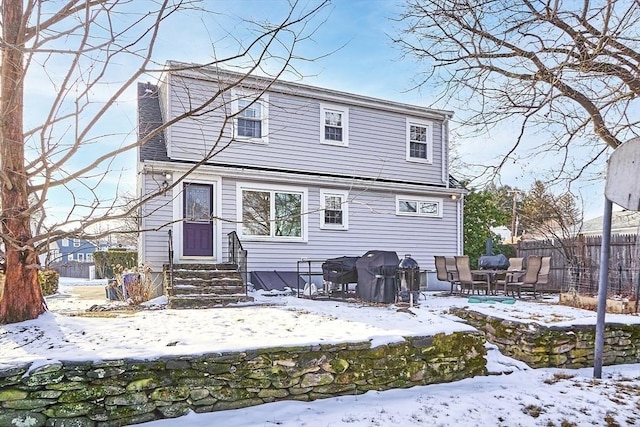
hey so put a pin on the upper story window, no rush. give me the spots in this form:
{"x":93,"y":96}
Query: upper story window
{"x":251,"y":122}
{"x":272,"y":213}
{"x":334,"y":125}
{"x":335,"y":210}
{"x":419,"y":141}
{"x":64,"y":242}
{"x":418,"y":206}
{"x":76,"y":243}
{"x":80,"y":257}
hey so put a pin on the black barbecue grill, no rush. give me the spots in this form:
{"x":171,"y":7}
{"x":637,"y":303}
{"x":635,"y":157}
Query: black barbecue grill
{"x":493,"y":262}
{"x":340,"y":271}
{"x":377,"y":276}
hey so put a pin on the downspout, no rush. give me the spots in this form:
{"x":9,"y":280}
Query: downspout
{"x":460,"y":215}
{"x":445,"y":151}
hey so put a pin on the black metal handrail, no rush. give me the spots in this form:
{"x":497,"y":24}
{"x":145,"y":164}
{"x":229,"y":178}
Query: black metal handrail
{"x":170,"y":281}
{"x":238,"y":256}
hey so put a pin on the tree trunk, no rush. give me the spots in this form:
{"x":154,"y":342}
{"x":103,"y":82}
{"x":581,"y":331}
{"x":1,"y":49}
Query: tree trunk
{"x":21,"y":299}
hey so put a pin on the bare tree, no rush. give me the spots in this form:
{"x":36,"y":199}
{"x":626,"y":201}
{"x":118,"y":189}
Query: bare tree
{"x":548,"y":215}
{"x":568,"y":69}
{"x":80,"y":49}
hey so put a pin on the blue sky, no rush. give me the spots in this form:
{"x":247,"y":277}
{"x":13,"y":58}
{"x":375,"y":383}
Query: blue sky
{"x":354,"y":53}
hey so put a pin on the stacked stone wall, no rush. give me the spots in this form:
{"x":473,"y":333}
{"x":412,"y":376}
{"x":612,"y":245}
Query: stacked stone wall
{"x":542,"y":346}
{"x":123,"y":392}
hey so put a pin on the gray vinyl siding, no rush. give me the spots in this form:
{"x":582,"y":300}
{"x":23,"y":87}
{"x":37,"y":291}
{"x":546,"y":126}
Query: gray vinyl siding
{"x":157,"y":215}
{"x":377,"y":138}
{"x":373,"y":225}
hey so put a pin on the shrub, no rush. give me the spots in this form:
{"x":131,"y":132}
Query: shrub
{"x":49,"y":280}
{"x":106,"y":261}
{"x":136,"y":283}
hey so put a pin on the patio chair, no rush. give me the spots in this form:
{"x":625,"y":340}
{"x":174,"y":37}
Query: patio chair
{"x":543,"y":276}
{"x":443,"y":274}
{"x":515,"y":264}
{"x":451,"y":267}
{"x":529,"y":279}
{"x":512,"y":274}
{"x":465,"y":277}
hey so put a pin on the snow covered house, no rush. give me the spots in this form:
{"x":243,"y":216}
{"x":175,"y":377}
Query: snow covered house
{"x":289,"y":172}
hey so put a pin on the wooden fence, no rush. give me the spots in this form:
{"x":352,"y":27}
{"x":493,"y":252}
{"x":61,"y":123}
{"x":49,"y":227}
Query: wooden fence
{"x":575,"y":263}
{"x":81,"y":270}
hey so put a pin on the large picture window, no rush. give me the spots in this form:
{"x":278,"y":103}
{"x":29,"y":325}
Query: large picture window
{"x":418,"y":206}
{"x":335,"y":210}
{"x":334,"y":125}
{"x":419,"y":141}
{"x":251,"y":122}
{"x":276,"y":214}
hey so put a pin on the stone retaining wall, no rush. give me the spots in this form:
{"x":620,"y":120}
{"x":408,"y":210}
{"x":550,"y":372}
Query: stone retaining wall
{"x":551,"y":346}
{"x":123,"y":392}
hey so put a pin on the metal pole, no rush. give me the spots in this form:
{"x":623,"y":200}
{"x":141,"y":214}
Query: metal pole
{"x":602,"y":287}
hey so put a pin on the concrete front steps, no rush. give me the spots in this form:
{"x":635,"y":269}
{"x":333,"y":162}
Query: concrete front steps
{"x":204,"y":285}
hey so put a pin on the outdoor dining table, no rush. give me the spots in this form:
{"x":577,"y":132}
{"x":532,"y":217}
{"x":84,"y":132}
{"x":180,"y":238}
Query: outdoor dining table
{"x":492,"y":277}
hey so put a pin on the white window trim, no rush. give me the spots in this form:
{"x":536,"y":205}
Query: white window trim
{"x":178,"y":214}
{"x":64,"y":242}
{"x":345,"y":209}
{"x":263,"y":100}
{"x":70,"y":257}
{"x":76,"y":243}
{"x":345,"y":124}
{"x":80,"y":257}
{"x":240,"y":186}
{"x":429,"y":142}
{"x":418,"y":200}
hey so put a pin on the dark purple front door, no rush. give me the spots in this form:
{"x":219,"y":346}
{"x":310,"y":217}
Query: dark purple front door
{"x":197,"y":238}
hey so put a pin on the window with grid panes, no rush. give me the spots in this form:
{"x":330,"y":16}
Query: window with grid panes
{"x":334,"y":213}
{"x":334,"y":125}
{"x":419,"y":141}
{"x":249,"y":119}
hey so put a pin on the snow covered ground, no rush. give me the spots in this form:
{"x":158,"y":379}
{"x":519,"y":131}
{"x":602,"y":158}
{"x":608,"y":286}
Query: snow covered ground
{"x":514,"y":396}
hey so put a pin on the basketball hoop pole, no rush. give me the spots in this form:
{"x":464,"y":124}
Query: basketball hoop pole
{"x":603,"y":277}
{"x":622,"y":189}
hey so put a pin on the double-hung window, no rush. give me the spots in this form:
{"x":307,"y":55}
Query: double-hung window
{"x":419,"y":141}
{"x":418,"y":206}
{"x":334,"y":125}
{"x":251,"y":119}
{"x":272,"y":214}
{"x":334,"y":212}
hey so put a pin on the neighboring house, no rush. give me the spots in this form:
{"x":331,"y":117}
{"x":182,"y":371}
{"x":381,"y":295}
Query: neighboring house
{"x":66,"y":250}
{"x":622,"y":222}
{"x":301,"y":173}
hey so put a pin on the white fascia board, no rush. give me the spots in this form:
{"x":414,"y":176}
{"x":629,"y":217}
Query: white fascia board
{"x":304,"y":179}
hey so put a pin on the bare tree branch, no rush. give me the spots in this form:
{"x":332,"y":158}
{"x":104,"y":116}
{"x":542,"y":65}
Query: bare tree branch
{"x":567,"y":70}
